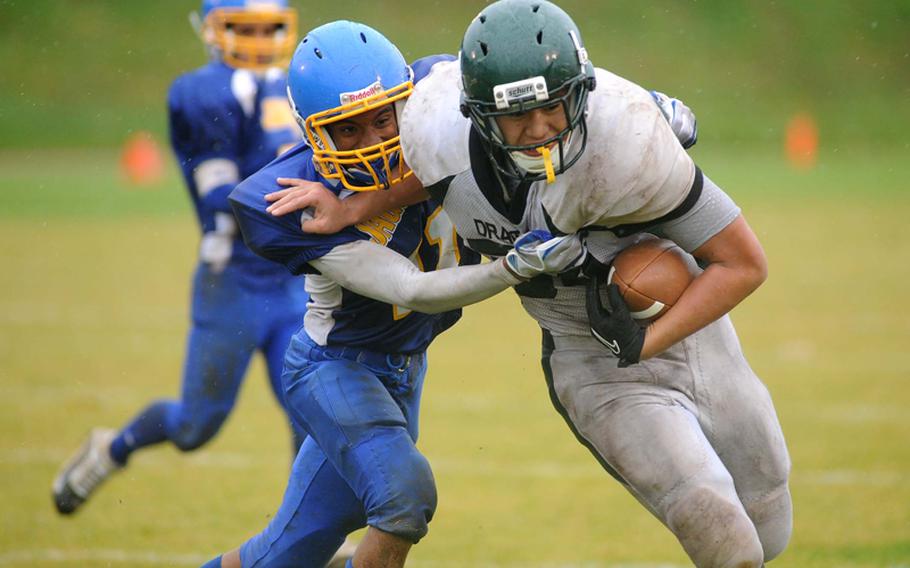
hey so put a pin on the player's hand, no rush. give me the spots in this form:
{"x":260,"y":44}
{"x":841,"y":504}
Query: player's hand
{"x":215,"y":250}
{"x":613,"y":326}
{"x":681,"y":118}
{"x":539,"y":252}
{"x":323,"y":212}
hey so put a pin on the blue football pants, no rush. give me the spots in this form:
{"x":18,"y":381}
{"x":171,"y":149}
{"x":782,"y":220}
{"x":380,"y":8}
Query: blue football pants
{"x":359,"y":466}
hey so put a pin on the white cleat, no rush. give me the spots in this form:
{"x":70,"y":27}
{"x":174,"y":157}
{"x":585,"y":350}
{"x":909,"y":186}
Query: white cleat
{"x":345,"y":553}
{"x":85,"y":471}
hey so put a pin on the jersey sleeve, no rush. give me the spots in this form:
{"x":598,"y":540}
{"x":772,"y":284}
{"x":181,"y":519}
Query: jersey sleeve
{"x":206,"y":130}
{"x":656,"y":172}
{"x":424,"y":65}
{"x":383,"y":274}
{"x":434,"y":133}
{"x":634,"y":170}
{"x":205,"y":121}
{"x":281,"y":239}
{"x":710,"y":213}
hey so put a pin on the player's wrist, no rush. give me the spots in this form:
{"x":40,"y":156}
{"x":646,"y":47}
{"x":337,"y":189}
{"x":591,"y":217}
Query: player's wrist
{"x":509,"y":273}
{"x":349,"y":213}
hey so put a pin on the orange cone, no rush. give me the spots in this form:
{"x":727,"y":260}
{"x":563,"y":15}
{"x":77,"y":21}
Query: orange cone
{"x":802,"y":141}
{"x":141,"y":161}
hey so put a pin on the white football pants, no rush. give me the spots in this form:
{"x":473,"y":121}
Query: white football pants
{"x":692,"y":434}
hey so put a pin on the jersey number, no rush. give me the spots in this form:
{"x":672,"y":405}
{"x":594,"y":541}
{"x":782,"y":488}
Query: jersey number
{"x":439,"y":233}
{"x":277,"y":116}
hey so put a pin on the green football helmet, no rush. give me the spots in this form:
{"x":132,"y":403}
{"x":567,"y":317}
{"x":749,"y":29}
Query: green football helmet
{"x":518,"y":55}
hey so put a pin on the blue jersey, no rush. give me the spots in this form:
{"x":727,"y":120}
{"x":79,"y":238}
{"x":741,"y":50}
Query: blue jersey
{"x":220,"y":113}
{"x":422,"y":233}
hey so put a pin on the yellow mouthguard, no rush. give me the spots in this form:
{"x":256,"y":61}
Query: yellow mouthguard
{"x":547,"y":163}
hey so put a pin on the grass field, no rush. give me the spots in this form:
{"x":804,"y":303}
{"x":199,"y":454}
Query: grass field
{"x":94,"y":287}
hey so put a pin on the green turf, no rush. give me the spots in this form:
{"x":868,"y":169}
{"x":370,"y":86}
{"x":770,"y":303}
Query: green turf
{"x":93,"y":312}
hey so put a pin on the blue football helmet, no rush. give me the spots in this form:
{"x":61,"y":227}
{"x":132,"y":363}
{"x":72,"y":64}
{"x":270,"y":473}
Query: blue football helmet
{"x":249,"y":34}
{"x":340,"y":70}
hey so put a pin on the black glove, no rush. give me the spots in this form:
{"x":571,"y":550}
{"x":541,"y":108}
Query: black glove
{"x":614,"y":326}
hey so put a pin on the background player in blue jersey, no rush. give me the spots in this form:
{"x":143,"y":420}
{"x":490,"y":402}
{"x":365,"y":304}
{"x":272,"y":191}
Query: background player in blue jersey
{"x":380,"y":292}
{"x":227,"y":119}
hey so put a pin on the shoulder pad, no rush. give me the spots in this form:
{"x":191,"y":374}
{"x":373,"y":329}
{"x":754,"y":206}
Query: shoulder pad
{"x":215,"y":90}
{"x":633,"y":169}
{"x":434,"y":134}
{"x":424,"y":65}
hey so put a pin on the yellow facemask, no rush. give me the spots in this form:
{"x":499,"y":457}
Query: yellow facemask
{"x":271,"y":42}
{"x":382,"y":163}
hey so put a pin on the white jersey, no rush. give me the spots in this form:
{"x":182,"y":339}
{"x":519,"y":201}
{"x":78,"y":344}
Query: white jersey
{"x":632,"y":171}
{"x":689,"y":405}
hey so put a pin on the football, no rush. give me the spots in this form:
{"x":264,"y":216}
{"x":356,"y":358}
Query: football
{"x":651,"y":276}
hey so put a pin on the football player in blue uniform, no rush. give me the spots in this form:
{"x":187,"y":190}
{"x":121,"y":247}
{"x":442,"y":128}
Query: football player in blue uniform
{"x":672,"y":410}
{"x":380,"y":292}
{"x":227,"y":119}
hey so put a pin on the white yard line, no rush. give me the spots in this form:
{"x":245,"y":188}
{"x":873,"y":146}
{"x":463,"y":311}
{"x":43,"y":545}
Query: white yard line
{"x":220,"y":460}
{"x":852,"y":477}
{"x":93,"y":556}
{"x":447,"y":466}
{"x":867,"y":413}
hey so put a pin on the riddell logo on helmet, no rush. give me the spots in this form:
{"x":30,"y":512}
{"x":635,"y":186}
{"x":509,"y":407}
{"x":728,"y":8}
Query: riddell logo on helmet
{"x":353,"y":97}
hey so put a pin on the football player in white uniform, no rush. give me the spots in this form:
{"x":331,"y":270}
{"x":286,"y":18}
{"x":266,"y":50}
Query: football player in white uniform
{"x":524,"y":133}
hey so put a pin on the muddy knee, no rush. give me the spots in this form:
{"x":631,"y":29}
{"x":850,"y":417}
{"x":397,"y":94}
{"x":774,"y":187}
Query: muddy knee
{"x":401,"y":496}
{"x":714,"y":529}
{"x":772,"y":515}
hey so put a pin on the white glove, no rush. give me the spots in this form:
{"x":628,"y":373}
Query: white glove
{"x":218,"y":245}
{"x":680,"y":117}
{"x":538,"y":252}
{"x":215,"y":250}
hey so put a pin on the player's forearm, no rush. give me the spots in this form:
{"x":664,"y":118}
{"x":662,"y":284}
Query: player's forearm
{"x":215,"y":179}
{"x":216,"y":200}
{"x":379,"y":273}
{"x":451,"y":288}
{"x":366,"y":205}
{"x":737,"y":268}
{"x":713,"y":294}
